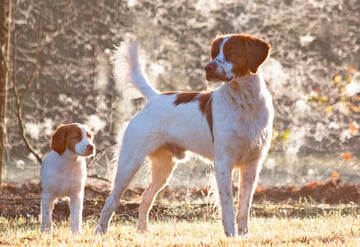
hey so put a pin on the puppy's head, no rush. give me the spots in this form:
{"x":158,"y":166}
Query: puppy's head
{"x":236,"y":55}
{"x":78,"y":138}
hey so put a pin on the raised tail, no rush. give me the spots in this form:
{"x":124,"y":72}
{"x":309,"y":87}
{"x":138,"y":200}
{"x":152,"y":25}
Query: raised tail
{"x":129,"y":74}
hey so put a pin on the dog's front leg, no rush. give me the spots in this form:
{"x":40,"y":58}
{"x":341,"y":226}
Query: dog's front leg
{"x":76,"y":206}
{"x":248,"y":178}
{"x":223,"y":177}
{"x":47,"y":205}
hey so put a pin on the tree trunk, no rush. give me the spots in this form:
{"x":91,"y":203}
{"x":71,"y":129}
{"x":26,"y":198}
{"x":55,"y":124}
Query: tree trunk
{"x":5,"y":11}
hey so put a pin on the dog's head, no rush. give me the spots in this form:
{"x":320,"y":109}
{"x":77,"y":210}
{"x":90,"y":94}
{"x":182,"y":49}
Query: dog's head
{"x":236,"y":55}
{"x":78,"y":138}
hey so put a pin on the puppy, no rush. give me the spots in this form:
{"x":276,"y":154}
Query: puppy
{"x":231,"y":125}
{"x":63,"y":172}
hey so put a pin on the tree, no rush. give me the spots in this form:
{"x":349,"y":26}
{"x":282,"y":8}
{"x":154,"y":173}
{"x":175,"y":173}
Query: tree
{"x":5,"y":10}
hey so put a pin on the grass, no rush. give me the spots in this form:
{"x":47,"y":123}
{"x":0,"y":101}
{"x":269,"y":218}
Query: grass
{"x":330,"y":230}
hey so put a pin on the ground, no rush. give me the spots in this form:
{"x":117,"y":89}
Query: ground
{"x":24,"y":200}
{"x":318,"y":214}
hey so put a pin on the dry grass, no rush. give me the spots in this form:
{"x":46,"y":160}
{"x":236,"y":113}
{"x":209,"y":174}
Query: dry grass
{"x":331,"y":230}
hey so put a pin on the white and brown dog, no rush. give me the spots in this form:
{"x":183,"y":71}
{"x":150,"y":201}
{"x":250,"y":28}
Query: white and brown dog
{"x":231,"y":125}
{"x":63,"y":172}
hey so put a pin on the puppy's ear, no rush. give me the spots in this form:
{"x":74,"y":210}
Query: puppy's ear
{"x":58,"y":139}
{"x":257,"y":51}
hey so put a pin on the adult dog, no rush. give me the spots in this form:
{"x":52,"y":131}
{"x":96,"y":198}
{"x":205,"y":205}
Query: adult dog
{"x":231,"y":125}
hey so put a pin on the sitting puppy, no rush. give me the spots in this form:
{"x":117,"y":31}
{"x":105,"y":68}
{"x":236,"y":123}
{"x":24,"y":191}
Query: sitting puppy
{"x":63,"y":172}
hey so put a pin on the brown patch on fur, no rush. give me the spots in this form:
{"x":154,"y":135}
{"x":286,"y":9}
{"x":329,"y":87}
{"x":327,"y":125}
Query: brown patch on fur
{"x":185,"y":97}
{"x":182,"y":97}
{"x":89,"y":133}
{"x":245,"y":52}
{"x":176,"y":150}
{"x":74,"y":136}
{"x":235,"y":52}
{"x":257,"y":51}
{"x":66,"y":136}
{"x":204,"y":103}
{"x":235,"y":86}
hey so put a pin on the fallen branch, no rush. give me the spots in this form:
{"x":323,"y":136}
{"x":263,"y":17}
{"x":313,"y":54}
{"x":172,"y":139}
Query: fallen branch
{"x":99,"y":178}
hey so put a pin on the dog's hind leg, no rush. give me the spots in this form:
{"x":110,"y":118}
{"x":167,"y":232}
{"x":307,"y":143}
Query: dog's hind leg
{"x":128,"y":165}
{"x":162,"y":166}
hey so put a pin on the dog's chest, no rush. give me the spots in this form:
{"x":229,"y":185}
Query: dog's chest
{"x":70,"y":178}
{"x":243,"y":119}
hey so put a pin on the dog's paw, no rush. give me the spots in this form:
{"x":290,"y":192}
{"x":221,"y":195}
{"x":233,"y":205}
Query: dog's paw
{"x":100,"y":229}
{"x":244,"y":232}
{"x":142,"y":229}
{"x":46,"y":231}
{"x":46,"y":228}
{"x":76,"y":231}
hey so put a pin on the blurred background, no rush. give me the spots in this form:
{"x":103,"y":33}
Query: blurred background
{"x":57,"y":69}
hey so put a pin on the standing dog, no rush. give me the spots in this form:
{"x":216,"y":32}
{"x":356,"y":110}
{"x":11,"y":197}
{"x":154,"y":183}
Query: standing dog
{"x":63,"y":172}
{"x":231,"y":125}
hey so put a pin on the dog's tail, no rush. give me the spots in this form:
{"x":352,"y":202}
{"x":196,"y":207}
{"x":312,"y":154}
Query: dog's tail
{"x":129,"y":74}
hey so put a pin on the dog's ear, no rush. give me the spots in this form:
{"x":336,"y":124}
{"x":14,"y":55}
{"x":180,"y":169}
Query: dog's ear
{"x":257,"y":51}
{"x":58,"y":139}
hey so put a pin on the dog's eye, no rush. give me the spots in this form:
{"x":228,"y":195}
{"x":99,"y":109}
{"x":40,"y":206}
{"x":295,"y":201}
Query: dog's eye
{"x":88,"y":135}
{"x":230,"y":55}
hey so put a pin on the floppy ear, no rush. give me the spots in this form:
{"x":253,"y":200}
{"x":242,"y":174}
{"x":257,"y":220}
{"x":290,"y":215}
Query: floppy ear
{"x":58,"y":139}
{"x":257,"y":51}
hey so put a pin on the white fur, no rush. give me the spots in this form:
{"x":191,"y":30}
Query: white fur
{"x":224,"y":67}
{"x":126,"y":69}
{"x":64,"y":176}
{"x":242,"y":129}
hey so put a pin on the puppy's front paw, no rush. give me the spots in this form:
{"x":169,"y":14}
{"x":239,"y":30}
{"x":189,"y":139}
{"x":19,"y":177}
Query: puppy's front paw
{"x":243,"y":232}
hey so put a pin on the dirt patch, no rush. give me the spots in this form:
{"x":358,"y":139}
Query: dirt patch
{"x":24,"y":200}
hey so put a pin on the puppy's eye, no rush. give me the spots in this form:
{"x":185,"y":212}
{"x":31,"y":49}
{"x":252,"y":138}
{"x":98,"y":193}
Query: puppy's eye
{"x":76,"y":137}
{"x":88,"y":135}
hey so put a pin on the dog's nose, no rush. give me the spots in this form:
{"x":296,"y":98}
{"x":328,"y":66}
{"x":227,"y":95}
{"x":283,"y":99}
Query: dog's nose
{"x":210,"y":67}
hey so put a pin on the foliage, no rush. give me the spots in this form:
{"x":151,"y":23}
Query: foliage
{"x":66,"y":46}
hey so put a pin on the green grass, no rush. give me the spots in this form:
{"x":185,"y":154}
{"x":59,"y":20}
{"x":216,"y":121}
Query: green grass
{"x":329,"y":230}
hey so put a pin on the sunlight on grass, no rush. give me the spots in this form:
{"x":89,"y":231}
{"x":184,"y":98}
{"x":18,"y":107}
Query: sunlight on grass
{"x":320,"y":231}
